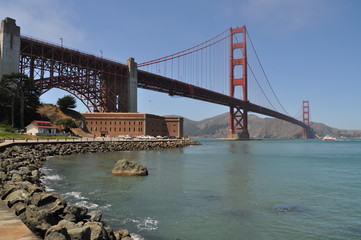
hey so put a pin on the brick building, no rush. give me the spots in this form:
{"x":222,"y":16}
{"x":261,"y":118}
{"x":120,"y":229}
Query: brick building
{"x":133,"y":124}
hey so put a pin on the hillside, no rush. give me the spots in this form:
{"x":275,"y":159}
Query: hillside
{"x":217,"y":127}
{"x":53,"y":113}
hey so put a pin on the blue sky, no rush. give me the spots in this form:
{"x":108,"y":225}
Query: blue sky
{"x":310,"y":49}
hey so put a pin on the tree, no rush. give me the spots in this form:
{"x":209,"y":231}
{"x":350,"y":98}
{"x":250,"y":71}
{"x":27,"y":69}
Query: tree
{"x":66,"y":102}
{"x":18,"y":89}
{"x":66,"y":123}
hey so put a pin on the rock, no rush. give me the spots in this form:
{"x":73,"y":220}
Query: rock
{"x":35,"y":174}
{"x":127,"y":238}
{"x":75,"y":213}
{"x":110,"y":233}
{"x":121,"y":234}
{"x":80,"y":233}
{"x":95,"y":216}
{"x":6,"y":191}
{"x":3,"y":176}
{"x":34,"y":189}
{"x":44,"y":198}
{"x":67,"y":224}
{"x":19,"y":208}
{"x":20,"y":195}
{"x":129,"y":168}
{"x":36,"y":220}
{"x":57,"y":232}
{"x":97,"y":231}
{"x":48,"y":213}
{"x":17,"y":177}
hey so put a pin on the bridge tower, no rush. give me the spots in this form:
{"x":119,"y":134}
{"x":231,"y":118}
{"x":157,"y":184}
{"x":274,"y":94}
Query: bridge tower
{"x":305,"y":116}
{"x":132,"y":85}
{"x":238,"y":119}
{"x":9,"y":47}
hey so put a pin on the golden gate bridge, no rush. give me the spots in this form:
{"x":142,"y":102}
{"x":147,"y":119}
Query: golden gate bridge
{"x":224,"y":70}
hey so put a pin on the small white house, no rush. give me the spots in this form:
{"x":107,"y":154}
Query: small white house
{"x":41,"y":128}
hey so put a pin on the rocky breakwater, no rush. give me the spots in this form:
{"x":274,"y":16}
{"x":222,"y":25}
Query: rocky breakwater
{"x":48,"y":214}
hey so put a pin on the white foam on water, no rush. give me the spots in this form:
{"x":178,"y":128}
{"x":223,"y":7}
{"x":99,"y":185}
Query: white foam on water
{"x":76,"y":195}
{"x":48,"y":189}
{"x":144,"y":224}
{"x":54,"y":177}
{"x":105,"y":207}
{"x":87,"y":204}
{"x":136,"y":237}
{"x":45,"y":170}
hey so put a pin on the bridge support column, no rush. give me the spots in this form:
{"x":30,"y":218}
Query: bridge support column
{"x":132,"y":85}
{"x":238,"y":120}
{"x":238,"y":124}
{"x":307,"y":132}
{"x":9,"y":47}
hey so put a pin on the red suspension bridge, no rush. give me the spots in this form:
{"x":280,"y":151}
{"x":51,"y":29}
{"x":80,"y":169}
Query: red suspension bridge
{"x":219,"y":70}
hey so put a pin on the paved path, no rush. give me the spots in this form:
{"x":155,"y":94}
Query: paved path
{"x":11,"y":227}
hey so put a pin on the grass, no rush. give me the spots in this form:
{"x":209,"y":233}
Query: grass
{"x":6,"y":128}
{"x":9,"y":135}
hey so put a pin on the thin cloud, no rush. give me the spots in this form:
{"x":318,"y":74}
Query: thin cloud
{"x":49,"y":20}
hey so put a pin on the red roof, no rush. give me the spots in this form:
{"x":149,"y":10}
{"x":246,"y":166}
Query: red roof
{"x":43,"y":124}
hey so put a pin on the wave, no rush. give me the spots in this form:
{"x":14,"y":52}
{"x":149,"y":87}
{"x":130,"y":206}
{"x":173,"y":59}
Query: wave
{"x":87,"y":204}
{"x":54,"y":177}
{"x":143,"y":224}
{"x":45,"y":170}
{"x":136,"y":237}
{"x":105,"y":207}
{"x":48,"y":189}
{"x":76,"y":195}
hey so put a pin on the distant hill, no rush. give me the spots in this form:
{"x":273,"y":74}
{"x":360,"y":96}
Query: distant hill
{"x":217,"y":127}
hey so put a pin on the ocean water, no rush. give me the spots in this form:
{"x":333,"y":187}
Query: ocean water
{"x":268,"y":189}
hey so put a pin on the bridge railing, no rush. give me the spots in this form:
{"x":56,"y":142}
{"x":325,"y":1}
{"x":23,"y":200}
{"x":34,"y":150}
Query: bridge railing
{"x":61,"y":46}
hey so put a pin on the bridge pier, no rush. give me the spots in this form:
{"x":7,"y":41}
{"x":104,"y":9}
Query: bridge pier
{"x":9,"y":47}
{"x":132,"y":85}
{"x":238,"y":135}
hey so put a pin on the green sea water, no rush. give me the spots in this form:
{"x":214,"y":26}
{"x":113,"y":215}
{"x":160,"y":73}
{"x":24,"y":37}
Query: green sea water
{"x":268,"y":189}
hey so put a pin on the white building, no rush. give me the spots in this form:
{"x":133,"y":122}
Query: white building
{"x":41,"y":128}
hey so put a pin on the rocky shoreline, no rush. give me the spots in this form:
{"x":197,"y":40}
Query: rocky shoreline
{"x":47,"y":214}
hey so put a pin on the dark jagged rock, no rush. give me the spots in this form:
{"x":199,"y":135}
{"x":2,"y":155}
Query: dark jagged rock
{"x":57,"y":233}
{"x":97,"y":231}
{"x":95,"y":215}
{"x":75,"y":213}
{"x":41,"y":199}
{"x":37,"y":221}
{"x":19,"y":208}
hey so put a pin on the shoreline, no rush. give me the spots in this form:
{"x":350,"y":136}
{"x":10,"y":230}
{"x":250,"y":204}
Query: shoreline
{"x":47,"y":214}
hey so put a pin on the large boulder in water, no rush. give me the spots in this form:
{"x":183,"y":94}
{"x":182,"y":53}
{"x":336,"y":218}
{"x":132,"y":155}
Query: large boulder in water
{"x":129,"y":168}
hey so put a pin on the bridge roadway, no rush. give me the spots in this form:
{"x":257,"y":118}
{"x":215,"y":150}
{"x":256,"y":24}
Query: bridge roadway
{"x":158,"y":83}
